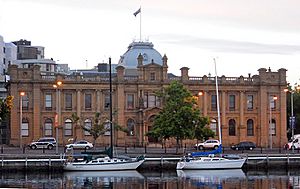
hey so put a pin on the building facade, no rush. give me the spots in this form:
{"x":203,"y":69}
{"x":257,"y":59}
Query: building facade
{"x":247,"y":104}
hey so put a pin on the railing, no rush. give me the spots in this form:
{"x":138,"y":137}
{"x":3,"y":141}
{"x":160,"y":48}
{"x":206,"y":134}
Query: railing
{"x":204,"y":79}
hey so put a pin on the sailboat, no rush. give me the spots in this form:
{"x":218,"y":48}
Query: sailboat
{"x":106,"y":163}
{"x":208,"y":160}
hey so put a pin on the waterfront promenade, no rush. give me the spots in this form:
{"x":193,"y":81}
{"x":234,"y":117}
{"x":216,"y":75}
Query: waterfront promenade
{"x":157,"y":158}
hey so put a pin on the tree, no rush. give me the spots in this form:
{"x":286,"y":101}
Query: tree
{"x":98,"y":127}
{"x":296,"y":110}
{"x":180,"y":115}
{"x":5,"y":107}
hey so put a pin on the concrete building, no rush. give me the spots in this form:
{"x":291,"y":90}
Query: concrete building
{"x":246,"y":103}
{"x":26,"y":51}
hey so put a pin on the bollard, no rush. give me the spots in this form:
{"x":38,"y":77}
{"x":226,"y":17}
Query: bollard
{"x":125,"y":149}
{"x":43,"y":149}
{"x":165,"y":149}
{"x":261,"y":150}
{"x":145,"y":149}
{"x":24,"y":149}
{"x":2,"y":150}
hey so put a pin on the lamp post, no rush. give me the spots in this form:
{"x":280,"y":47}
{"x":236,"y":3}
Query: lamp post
{"x":57,"y":117}
{"x":292,"y":118}
{"x":21,"y":116}
{"x":272,"y":99}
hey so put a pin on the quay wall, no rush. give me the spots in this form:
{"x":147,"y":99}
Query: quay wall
{"x":55,"y":163}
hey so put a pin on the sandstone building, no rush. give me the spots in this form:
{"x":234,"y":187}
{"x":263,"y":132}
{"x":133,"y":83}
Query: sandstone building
{"x":246,"y":103}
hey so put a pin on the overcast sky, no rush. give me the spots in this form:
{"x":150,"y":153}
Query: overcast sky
{"x":244,"y":35}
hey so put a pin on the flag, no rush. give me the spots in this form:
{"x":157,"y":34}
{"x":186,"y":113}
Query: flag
{"x":137,"y":12}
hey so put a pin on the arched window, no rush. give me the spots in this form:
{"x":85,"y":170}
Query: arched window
{"x":250,"y":127}
{"x":213,"y":125}
{"x":231,"y":127}
{"x":48,"y":125}
{"x":25,"y":127}
{"x":273,"y":127}
{"x":87,"y":125}
{"x":130,"y":127}
{"x":68,"y":127}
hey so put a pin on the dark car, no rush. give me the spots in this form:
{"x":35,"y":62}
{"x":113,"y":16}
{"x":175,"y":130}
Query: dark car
{"x":244,"y":146}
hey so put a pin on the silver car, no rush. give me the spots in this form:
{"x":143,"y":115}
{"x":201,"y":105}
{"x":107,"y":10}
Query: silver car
{"x":81,"y":144}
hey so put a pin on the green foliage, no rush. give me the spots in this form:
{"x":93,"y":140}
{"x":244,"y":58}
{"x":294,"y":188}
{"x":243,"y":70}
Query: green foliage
{"x":5,"y":107}
{"x":98,"y":126}
{"x":296,"y":110}
{"x":180,"y":116}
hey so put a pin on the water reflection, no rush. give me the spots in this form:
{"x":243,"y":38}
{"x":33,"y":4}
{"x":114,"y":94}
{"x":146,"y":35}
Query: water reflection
{"x":211,"y":178}
{"x":231,"y":179}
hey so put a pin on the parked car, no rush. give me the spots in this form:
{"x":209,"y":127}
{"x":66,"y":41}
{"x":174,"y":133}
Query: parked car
{"x":294,"y":143}
{"x":208,"y":144}
{"x":246,"y":145}
{"x":81,"y":144}
{"x":45,"y":142}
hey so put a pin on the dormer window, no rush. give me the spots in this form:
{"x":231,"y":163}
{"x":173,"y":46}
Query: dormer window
{"x":152,"y":76}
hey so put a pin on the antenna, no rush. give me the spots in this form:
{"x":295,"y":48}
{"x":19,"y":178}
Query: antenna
{"x":218,"y":103}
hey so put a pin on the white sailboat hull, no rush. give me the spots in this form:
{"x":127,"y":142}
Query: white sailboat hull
{"x":211,"y":163}
{"x":102,"y":166}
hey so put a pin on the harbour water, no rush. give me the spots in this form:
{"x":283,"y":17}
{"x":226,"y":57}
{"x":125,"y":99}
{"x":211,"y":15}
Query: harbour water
{"x":231,"y":179}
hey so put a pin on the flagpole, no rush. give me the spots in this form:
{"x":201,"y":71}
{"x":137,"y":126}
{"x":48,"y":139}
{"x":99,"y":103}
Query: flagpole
{"x":140,"y":24}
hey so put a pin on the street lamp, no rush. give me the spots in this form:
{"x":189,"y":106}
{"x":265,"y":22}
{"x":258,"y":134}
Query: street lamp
{"x":292,"y":118}
{"x":272,"y":99}
{"x":57,"y":117}
{"x":21,"y":115}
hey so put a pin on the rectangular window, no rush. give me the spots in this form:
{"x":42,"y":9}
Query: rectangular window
{"x":48,"y":101}
{"x":48,"y":129}
{"x":231,"y":102}
{"x":25,"y":102}
{"x":68,"y":101}
{"x":25,"y":129}
{"x":130,"y":101}
{"x":68,"y":129}
{"x":213,"y":102}
{"x":273,"y":128}
{"x":151,"y":101}
{"x":250,"y":102}
{"x":152,"y":76}
{"x":106,"y":102}
{"x":88,"y":101}
{"x":107,"y":129}
{"x":87,"y":125}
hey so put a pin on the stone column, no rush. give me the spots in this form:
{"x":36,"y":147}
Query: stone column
{"x":263,"y":127}
{"x":37,"y":120}
{"x":282,"y":125}
{"x":224,"y":126}
{"x":205,"y":103}
{"x":242,"y":133}
{"x":98,"y":104}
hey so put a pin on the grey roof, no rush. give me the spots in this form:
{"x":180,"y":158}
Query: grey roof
{"x":129,"y":58}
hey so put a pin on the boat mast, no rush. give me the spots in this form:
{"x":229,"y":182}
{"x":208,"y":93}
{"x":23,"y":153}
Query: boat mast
{"x":218,"y":103}
{"x":110,"y":110}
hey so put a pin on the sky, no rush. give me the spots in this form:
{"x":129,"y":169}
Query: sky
{"x":243,"y":35}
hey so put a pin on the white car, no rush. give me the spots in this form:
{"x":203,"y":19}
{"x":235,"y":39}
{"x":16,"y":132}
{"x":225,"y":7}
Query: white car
{"x":208,"y":144}
{"x":81,"y":144}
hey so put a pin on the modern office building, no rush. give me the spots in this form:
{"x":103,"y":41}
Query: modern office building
{"x":249,"y":111}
